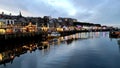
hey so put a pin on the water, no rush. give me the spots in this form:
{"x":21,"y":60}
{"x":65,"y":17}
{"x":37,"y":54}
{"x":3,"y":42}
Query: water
{"x":81,"y":50}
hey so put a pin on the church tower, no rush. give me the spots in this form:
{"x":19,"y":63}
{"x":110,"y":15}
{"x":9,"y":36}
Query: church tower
{"x":20,"y":14}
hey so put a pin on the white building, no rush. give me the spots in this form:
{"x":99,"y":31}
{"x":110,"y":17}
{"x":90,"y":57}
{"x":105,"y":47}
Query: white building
{"x":5,"y":24}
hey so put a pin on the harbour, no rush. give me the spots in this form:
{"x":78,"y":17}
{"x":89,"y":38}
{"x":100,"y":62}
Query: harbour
{"x":59,"y":34}
{"x":75,"y":50}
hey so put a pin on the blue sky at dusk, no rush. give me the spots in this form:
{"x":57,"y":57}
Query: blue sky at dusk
{"x":94,"y":11}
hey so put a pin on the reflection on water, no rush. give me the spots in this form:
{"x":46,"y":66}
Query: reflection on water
{"x":48,"y":47}
{"x":119,"y":42}
{"x":9,"y":55}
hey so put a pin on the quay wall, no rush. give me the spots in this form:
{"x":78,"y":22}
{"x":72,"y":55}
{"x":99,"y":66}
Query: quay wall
{"x":42,"y":36}
{"x":22,"y":37}
{"x":65,"y":33}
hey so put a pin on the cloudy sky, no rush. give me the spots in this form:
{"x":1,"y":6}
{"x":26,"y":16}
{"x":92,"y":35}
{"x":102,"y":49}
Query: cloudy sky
{"x":94,"y":11}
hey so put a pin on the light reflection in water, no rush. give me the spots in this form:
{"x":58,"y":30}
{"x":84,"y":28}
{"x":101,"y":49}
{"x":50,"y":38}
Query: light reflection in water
{"x":45,"y":46}
{"x":119,"y":42}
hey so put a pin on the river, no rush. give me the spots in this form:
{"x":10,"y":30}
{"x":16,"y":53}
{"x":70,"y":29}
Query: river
{"x":81,"y":50}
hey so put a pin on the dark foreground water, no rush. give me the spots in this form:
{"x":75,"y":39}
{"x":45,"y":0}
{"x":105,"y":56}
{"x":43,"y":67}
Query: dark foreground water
{"x":82,"y":50}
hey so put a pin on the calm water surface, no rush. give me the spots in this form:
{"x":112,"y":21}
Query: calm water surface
{"x":81,"y":50}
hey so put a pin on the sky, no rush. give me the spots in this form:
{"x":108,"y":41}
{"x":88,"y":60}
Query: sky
{"x":105,"y":12}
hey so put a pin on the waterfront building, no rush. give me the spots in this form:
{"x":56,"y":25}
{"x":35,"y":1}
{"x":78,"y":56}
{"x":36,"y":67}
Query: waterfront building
{"x":29,"y":28}
{"x":6,"y":26}
{"x":87,"y":26}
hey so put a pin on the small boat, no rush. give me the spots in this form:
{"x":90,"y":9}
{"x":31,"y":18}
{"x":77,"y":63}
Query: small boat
{"x":115,"y":34}
{"x":55,"y":34}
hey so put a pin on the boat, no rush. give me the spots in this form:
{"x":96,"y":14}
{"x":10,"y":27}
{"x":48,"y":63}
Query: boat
{"x":55,"y":34}
{"x":115,"y":34}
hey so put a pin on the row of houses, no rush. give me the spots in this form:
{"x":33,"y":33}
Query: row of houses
{"x":41,"y":23}
{"x":11,"y":23}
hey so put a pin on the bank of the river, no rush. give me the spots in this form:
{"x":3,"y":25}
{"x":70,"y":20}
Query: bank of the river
{"x":22,"y":37}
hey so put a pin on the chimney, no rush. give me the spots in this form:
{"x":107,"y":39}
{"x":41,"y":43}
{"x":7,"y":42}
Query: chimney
{"x":10,"y":14}
{"x":2,"y":13}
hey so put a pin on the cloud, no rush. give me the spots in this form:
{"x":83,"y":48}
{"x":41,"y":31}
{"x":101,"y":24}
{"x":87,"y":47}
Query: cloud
{"x":98,"y":11}
{"x":107,"y":13}
{"x":95,"y":11}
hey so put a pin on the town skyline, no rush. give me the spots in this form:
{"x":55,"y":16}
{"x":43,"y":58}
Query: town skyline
{"x":99,"y":12}
{"x":22,"y":18}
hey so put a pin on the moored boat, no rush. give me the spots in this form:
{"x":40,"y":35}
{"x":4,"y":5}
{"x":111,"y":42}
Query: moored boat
{"x":54,"y":34}
{"x":115,"y":34}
